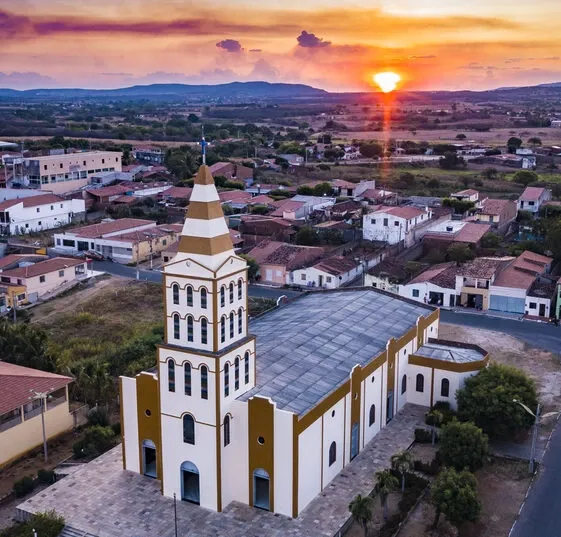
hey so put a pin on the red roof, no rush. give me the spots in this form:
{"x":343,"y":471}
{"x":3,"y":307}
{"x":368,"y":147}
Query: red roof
{"x":181,"y":192}
{"x":336,"y":265}
{"x":99,"y":230}
{"x":17,"y":383}
{"x":288,"y":207}
{"x":108,"y":191}
{"x":14,"y":259}
{"x":262,"y":199}
{"x":43,"y":267}
{"x":443,"y":275}
{"x":408,"y":213}
{"x":496,"y":207}
{"x":522,"y":272}
{"x":532,"y":193}
{"x":234,"y":196}
{"x":31,"y":201}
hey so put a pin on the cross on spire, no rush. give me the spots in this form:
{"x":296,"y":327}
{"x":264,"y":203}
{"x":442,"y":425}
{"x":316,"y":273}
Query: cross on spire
{"x":203,"y":143}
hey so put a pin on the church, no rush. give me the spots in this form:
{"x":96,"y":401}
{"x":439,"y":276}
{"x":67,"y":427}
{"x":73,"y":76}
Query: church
{"x":267,"y":413}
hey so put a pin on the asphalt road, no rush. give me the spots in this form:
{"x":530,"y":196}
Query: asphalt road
{"x":542,"y":335}
{"x":541,"y":513}
{"x":156,"y":277}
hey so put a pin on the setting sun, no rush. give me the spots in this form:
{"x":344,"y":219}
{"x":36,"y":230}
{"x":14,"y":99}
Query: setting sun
{"x":387,"y":81}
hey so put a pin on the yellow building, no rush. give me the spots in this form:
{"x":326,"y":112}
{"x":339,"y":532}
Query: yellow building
{"x":25,"y":393}
{"x":10,"y":294}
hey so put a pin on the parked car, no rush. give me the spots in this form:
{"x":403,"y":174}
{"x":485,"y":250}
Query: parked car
{"x":92,"y":254}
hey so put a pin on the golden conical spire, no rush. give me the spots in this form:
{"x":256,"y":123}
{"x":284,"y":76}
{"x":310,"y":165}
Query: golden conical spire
{"x":205,"y":231}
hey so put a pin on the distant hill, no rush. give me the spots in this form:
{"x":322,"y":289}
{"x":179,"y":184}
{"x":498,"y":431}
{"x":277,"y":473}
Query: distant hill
{"x":233,"y":90}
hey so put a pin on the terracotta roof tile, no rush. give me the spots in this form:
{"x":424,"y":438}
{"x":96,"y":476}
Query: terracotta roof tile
{"x":31,"y":201}
{"x":43,"y":267}
{"x":531,"y":193}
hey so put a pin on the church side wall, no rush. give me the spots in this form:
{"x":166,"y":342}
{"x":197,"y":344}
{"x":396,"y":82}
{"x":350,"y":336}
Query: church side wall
{"x":309,"y":464}
{"x":373,"y":393}
{"x":283,"y":431}
{"x":130,"y":425}
{"x":333,"y":431}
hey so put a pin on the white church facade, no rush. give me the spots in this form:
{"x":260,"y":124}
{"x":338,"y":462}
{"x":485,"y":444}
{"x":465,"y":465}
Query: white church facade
{"x":267,"y":414}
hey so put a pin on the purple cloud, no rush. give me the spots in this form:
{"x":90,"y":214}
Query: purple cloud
{"x":307,"y":40}
{"x":230,"y":45}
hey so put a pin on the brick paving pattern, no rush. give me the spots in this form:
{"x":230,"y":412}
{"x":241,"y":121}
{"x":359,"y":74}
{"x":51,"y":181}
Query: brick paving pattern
{"x":103,"y":499}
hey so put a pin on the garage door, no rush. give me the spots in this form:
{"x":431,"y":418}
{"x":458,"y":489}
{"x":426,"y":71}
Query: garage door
{"x":507,"y":304}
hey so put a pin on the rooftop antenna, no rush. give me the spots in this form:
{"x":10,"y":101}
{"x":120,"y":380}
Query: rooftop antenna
{"x":203,"y":144}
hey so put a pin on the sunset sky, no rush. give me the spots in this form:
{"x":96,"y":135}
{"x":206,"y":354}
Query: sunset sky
{"x":333,"y":44}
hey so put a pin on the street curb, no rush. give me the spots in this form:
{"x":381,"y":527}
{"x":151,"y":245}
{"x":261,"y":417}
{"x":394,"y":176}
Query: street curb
{"x":534,"y":477}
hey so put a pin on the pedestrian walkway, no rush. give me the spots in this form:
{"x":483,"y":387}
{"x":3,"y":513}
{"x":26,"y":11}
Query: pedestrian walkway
{"x":104,"y":500}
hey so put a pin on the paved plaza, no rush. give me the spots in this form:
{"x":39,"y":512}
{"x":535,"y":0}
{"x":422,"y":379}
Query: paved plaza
{"x":104,"y":500}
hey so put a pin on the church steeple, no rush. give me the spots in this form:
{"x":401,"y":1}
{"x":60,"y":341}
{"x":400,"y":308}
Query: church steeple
{"x":205,"y":233}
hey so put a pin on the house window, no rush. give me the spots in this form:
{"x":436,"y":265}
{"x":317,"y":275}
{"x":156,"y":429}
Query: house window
{"x":204,"y":331}
{"x":385,"y":222}
{"x":61,"y":273}
{"x":175,"y":292}
{"x":188,"y":429}
{"x":403,"y":384}
{"x":415,"y":293}
{"x":533,"y":305}
{"x":444,"y":388}
{"x":187,"y":378}
{"x":303,"y":277}
{"x":332,"y":453}
{"x":420,"y":384}
{"x":222,"y":296}
{"x":231,"y":292}
{"x":58,"y":242}
{"x":231,"y":324}
{"x":237,"y":374}
{"x":246,"y":367}
{"x":38,"y":210}
{"x":372,"y":415}
{"x":203,"y":298}
{"x":372,"y":220}
{"x":41,"y":279}
{"x":171,"y":375}
{"x":204,"y":382}
{"x":176,"y":326}
{"x":223,"y":329}
{"x":226,"y":380}
{"x":240,"y":289}
{"x":189,"y":328}
{"x":226,"y":430}
{"x":39,"y":223}
{"x":240,"y":321}
{"x":396,"y":223}
{"x":328,"y":279}
{"x":189,"y":295}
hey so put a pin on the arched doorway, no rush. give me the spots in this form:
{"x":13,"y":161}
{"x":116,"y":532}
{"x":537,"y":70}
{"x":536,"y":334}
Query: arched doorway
{"x":190,"y":490}
{"x":149,"y":465}
{"x":261,"y":489}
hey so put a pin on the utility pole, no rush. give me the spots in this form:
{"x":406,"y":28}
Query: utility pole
{"x":175,"y":512}
{"x":534,"y":440}
{"x":42,"y":396}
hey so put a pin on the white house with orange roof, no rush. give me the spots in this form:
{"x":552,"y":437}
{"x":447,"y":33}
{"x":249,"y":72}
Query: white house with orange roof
{"x":533,"y":198}
{"x":394,"y":224}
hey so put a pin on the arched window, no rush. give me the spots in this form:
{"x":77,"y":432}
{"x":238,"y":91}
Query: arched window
{"x":332,"y":453}
{"x":204,"y":331}
{"x":175,"y":291}
{"x":444,"y":387}
{"x":188,"y":429}
{"x":226,"y":430}
{"x":231,"y":324}
{"x":372,"y":416}
{"x":420,"y":383}
{"x":231,"y":292}
{"x":176,"y":332}
{"x":189,"y":328}
{"x":204,"y":382}
{"x":187,"y":377}
{"x":171,"y":375}
{"x":222,"y":296}
{"x":237,"y":373}
{"x":226,"y":379}
{"x":189,"y":291}
{"x":203,"y":298}
{"x":403,"y":384}
{"x":223,"y":329}
{"x":240,"y":289}
{"x":246,"y":367}
{"x":240,"y":321}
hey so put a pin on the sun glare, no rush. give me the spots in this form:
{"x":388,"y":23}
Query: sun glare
{"x":387,"y":81}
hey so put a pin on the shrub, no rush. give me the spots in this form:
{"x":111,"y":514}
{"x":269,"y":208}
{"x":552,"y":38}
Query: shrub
{"x":116,"y":427}
{"x":48,"y":524}
{"x":423,"y":436}
{"x":47,"y":477}
{"x":98,"y":416}
{"x":96,"y":441}
{"x":431,"y":468}
{"x":463,"y":445}
{"x":24,"y":486}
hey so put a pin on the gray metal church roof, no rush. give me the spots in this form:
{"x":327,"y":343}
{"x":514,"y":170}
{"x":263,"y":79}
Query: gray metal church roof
{"x":306,"y":349}
{"x":449,"y":353}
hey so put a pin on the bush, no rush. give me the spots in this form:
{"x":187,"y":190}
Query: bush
{"x":444,"y":408}
{"x":96,"y":441}
{"x":430,"y":468}
{"x":98,"y":416}
{"x":47,"y":477}
{"x":47,"y":524}
{"x":24,"y":486}
{"x":463,"y":445}
{"x":423,"y":436}
{"x":116,"y":427}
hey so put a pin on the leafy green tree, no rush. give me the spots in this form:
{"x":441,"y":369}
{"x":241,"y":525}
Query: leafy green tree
{"x":47,"y":524}
{"x":253,"y":267}
{"x":402,"y":462}
{"x":451,"y":161}
{"x":461,"y":136}
{"x":307,"y":236}
{"x":525,"y":177}
{"x":463,"y":445}
{"x":371,"y":150}
{"x":513,"y":143}
{"x":361,"y":511}
{"x":459,"y":206}
{"x":434,"y":419}
{"x":322,"y":189}
{"x":490,"y":173}
{"x":93,"y":383}
{"x":490,"y":240}
{"x":305,"y":190}
{"x":182,"y":162}
{"x":534,"y":140}
{"x":193,"y":118}
{"x":459,"y":252}
{"x":553,"y":240}
{"x":385,"y":483}
{"x":487,"y":400}
{"x":454,"y":494}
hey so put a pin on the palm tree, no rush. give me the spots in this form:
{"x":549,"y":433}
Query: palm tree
{"x":402,"y":462}
{"x":361,"y":511}
{"x":385,"y":483}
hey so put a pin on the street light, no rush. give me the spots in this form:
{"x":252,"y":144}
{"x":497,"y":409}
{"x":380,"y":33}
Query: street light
{"x":42,"y":396}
